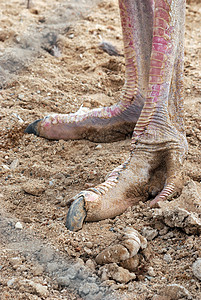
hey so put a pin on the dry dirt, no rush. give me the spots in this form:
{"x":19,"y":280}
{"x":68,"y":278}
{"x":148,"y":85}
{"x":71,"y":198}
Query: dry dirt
{"x":50,"y":62}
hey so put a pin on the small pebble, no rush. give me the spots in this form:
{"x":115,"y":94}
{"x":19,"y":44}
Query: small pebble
{"x":89,"y":245}
{"x":14,"y":164}
{"x":88,"y":288}
{"x":131,"y":287}
{"x":40,"y":289}
{"x":18,"y":225}
{"x":72,"y":272}
{"x":34,"y":187}
{"x":99,"y":146}
{"x":63,"y":281}
{"x":167,"y":258}
{"x":15,"y":261}
{"x":21,"y":96}
{"x":109,"y":48}
{"x":79,"y":262}
{"x":168,"y":236}
{"x":22,"y":268}
{"x":37,"y":270}
{"x":104,"y":275}
{"x":5,"y":167}
{"x":27,"y":219}
{"x":87,"y":250}
{"x":151,"y":272}
{"x":119,"y":274}
{"x":176,"y":292}
{"x":197,"y":268}
{"x":164,"y":230}
{"x":10,"y":282}
{"x":52,"y":267}
{"x":45,"y":255}
{"x":83,"y":273}
{"x":89,"y":185}
{"x":148,"y":277}
{"x":112,"y":229}
{"x":90,"y":264}
{"x":149,"y":233}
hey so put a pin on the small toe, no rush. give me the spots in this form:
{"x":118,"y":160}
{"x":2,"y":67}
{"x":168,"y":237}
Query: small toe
{"x":76,"y":215}
{"x":32,"y":128}
{"x":126,"y":247}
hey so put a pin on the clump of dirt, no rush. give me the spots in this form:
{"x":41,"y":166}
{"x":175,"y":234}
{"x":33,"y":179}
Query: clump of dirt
{"x":50,"y":63}
{"x":11,"y":137}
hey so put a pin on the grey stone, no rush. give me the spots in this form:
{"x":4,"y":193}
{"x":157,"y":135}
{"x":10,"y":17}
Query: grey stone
{"x":83,"y":273}
{"x":37,"y":270}
{"x":176,"y":292}
{"x":167,"y":257}
{"x":98,"y":296}
{"x":149,"y":233}
{"x":90,"y":264}
{"x":18,"y":225}
{"x":196,"y":267}
{"x":40,"y":289}
{"x":52,"y":267}
{"x":63,"y":281}
{"x":72,"y":272}
{"x":88,"y":288}
{"x":15,"y":261}
{"x":89,"y":245}
{"x":11,"y":282}
{"x":119,"y":274}
{"x":46,"y":255}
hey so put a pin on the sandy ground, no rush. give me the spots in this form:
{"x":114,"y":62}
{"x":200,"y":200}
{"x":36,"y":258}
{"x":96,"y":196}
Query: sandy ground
{"x":50,"y":62}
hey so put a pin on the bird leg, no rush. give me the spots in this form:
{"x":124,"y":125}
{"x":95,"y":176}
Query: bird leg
{"x":158,"y":147}
{"x":117,"y":121}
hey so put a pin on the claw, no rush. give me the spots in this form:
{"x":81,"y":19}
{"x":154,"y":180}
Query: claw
{"x":76,"y":215}
{"x":32,"y":128}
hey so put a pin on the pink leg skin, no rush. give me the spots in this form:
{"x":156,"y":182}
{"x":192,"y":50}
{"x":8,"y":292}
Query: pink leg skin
{"x":158,"y":147}
{"x":115,"y":122}
{"x":99,"y":125}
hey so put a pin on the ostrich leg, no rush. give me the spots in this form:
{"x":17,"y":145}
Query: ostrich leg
{"x":158,"y":147}
{"x":117,"y":121}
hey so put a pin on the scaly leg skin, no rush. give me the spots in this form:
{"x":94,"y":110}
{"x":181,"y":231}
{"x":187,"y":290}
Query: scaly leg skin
{"x":115,"y":122}
{"x":159,"y":144}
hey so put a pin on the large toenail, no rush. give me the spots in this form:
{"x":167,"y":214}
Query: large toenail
{"x":32,"y":128}
{"x":76,"y":215}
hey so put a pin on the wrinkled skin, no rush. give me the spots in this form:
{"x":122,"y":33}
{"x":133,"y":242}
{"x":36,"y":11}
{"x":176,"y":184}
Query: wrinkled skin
{"x":151,"y":104}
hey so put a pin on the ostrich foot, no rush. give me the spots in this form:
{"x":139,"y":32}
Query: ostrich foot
{"x":99,"y":125}
{"x":147,"y":173}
